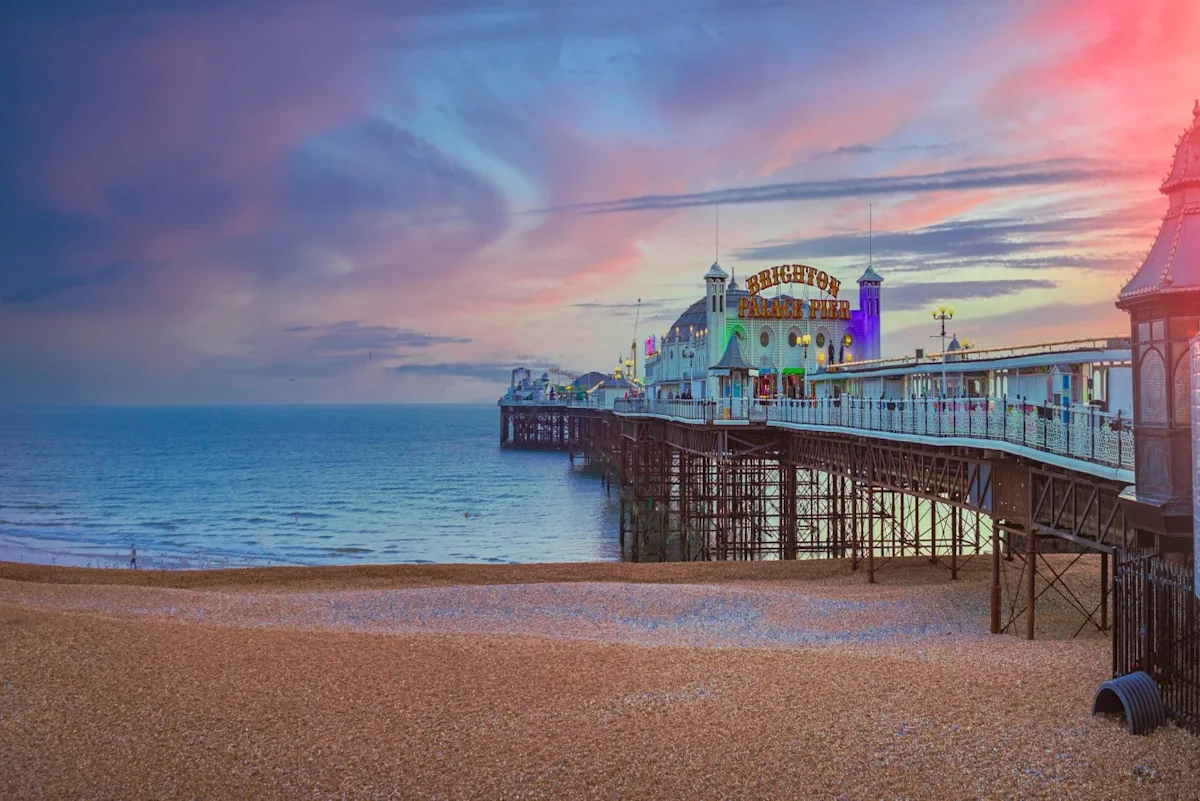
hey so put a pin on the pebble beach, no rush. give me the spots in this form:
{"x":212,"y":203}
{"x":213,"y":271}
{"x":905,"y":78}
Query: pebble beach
{"x":737,"y":680}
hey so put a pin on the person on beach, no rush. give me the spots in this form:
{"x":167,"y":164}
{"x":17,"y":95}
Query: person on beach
{"x":133,"y":557}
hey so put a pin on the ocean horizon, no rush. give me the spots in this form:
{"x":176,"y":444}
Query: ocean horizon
{"x":203,"y":486}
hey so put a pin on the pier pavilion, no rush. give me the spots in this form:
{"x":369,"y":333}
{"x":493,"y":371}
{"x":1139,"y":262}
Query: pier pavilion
{"x":783,"y":336}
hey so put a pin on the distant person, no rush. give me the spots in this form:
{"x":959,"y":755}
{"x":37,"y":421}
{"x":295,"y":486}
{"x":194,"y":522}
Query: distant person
{"x":133,"y":557}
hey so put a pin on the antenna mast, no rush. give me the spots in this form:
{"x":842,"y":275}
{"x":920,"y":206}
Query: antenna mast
{"x":717,"y":237}
{"x":870,"y":234}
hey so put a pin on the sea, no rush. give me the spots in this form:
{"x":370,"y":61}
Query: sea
{"x":206,"y":487}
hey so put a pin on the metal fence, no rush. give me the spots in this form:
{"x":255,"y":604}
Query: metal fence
{"x":1155,"y":629}
{"x":1077,"y":432}
{"x":566,"y":403}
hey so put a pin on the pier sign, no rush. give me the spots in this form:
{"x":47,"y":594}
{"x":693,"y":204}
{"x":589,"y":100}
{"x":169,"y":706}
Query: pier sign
{"x":793,"y":274}
{"x":789,"y":308}
{"x":793,"y":309}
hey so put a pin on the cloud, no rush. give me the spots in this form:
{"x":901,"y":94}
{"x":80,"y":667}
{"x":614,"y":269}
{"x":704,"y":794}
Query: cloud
{"x":1048,"y":322}
{"x":353,"y":335}
{"x":862,"y":149}
{"x":40,"y":289}
{"x":1043,"y":173}
{"x":628,"y":309}
{"x":905,"y":297}
{"x":476,"y":371}
{"x":1010,"y":241}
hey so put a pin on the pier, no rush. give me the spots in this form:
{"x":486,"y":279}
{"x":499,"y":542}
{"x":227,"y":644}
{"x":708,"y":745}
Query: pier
{"x":782,"y":434}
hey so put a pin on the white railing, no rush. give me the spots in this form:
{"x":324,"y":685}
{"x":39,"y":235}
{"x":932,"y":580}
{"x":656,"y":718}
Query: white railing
{"x":728,"y":409}
{"x":586,"y":403}
{"x":1079,"y":432}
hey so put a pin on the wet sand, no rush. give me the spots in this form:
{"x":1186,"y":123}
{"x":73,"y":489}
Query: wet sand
{"x":554,"y":681}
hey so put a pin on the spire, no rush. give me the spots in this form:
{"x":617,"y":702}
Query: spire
{"x":870,"y":235}
{"x":1196,"y":112}
{"x":717,"y":236}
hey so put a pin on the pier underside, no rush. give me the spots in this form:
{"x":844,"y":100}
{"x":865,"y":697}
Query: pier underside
{"x":703,"y":492}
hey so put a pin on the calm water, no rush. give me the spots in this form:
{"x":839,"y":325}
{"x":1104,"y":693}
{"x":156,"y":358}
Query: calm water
{"x":203,"y":487}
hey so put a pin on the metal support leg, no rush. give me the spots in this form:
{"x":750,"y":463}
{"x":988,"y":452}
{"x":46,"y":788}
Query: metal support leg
{"x":1031,"y":564}
{"x":955,"y":536}
{"x":870,"y":535}
{"x":995,"y":576}
{"x":1103,"y":591}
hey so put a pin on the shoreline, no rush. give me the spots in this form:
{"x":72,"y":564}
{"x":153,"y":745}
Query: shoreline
{"x":414,"y":575}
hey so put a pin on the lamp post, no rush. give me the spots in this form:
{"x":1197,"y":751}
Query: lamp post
{"x":805,"y":341}
{"x":688,"y":353}
{"x":942,"y":314}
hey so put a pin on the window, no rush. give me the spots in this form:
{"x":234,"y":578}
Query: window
{"x":764,"y":338}
{"x":820,"y":340}
{"x":1154,"y":388}
{"x":792,"y":339}
{"x":1183,"y":388}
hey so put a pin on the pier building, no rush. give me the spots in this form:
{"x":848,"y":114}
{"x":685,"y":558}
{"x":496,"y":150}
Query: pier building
{"x":1083,"y":372}
{"x":790,"y":322}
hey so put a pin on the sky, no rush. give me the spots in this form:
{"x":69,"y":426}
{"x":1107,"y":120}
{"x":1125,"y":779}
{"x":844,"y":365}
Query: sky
{"x":258,"y":201}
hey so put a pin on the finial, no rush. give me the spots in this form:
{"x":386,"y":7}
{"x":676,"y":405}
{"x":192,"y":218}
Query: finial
{"x":1196,"y":111}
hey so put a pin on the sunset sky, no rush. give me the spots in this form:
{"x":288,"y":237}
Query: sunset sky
{"x":302,"y":202}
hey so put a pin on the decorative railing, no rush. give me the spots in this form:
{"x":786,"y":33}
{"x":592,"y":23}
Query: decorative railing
{"x":586,"y":403}
{"x":1078,"y":432}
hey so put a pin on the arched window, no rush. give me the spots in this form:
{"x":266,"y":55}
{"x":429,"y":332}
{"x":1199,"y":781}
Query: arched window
{"x":764,"y":338}
{"x":1183,"y":387}
{"x":714,"y":303}
{"x":1153,"y":377}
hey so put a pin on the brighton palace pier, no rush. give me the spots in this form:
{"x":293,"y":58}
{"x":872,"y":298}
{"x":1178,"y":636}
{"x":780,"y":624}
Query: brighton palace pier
{"x":768,"y":427}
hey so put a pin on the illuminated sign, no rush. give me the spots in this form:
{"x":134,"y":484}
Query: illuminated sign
{"x":789,"y":308}
{"x":793,"y":274}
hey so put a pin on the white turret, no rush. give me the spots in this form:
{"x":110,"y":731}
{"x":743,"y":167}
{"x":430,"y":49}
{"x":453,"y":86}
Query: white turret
{"x":714,"y":281}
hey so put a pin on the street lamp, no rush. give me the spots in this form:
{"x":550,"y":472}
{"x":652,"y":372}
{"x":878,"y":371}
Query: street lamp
{"x":805,"y":340}
{"x":689,"y":353}
{"x":942,"y":314}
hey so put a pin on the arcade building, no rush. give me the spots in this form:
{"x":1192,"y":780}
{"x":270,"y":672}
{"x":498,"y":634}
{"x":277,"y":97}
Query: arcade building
{"x":766,"y":340}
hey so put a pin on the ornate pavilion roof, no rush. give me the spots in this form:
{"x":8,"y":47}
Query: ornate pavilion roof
{"x":733,"y":358}
{"x":1173,"y":263}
